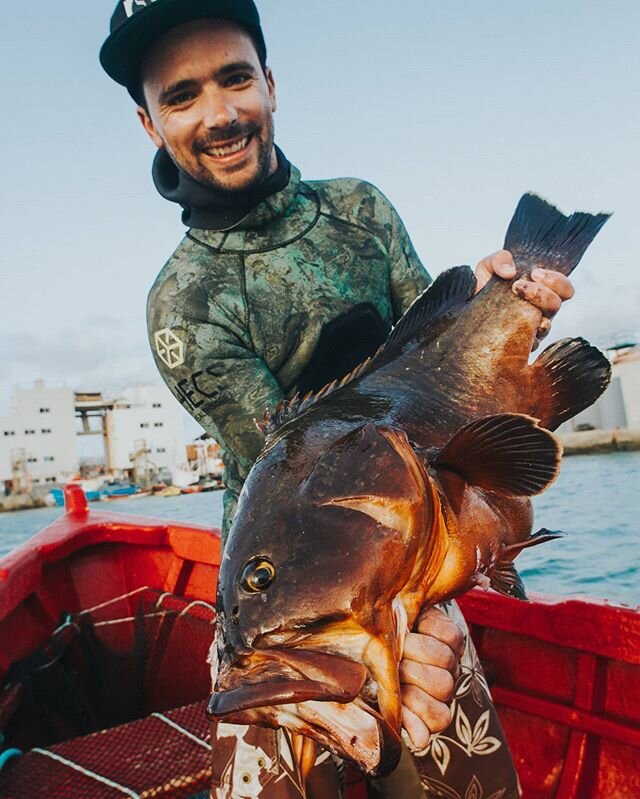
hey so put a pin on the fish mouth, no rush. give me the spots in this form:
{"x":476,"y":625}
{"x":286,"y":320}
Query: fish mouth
{"x":312,"y":693}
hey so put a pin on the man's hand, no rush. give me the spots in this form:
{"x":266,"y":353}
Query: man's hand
{"x":428,"y":671}
{"x":547,"y":289}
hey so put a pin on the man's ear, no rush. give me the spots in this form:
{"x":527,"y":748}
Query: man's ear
{"x":148,"y":125}
{"x":272,"y":86}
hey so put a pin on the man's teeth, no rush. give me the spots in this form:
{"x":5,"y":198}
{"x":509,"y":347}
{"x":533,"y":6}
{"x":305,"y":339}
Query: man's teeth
{"x":229,"y":148}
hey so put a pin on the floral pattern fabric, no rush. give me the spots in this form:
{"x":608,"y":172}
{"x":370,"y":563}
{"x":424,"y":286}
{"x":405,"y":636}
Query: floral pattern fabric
{"x":468,"y":760}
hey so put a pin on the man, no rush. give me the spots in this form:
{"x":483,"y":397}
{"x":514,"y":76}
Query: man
{"x":279,"y":286}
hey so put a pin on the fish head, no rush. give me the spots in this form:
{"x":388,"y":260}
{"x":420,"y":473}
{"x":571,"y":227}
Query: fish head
{"x":325,"y":538}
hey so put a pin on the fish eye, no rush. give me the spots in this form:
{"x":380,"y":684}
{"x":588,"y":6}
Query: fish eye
{"x":257,"y":575}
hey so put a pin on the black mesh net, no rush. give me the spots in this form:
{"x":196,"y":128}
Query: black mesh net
{"x":113,"y":704}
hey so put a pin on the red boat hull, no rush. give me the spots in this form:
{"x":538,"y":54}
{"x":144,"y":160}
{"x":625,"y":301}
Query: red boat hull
{"x":565,"y":673}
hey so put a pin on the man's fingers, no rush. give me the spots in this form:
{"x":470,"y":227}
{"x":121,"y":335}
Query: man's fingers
{"x":498,"y":263}
{"x":439,"y":682}
{"x":429,"y":651}
{"x":433,"y":713}
{"x":543,"y":328}
{"x":437,"y":624}
{"x":417,"y":729}
{"x":556,"y":281}
{"x":543,"y":298}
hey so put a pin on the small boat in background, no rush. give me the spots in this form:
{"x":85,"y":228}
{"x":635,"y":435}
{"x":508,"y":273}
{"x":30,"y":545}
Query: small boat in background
{"x":106,"y":620}
{"x":194,"y":489}
{"x":168,"y":491}
{"x":97,"y":489}
{"x":119,"y":491}
{"x":92,"y":487}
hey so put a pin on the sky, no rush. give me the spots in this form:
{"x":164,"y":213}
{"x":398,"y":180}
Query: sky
{"x":452,"y":109}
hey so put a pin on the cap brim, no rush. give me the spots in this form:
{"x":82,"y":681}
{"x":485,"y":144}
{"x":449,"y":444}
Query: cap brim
{"x":122,"y":52}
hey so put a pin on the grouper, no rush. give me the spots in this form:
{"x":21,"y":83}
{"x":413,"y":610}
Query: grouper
{"x":404,"y":484}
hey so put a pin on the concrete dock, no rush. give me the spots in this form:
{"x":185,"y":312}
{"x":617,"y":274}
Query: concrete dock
{"x":595,"y":441}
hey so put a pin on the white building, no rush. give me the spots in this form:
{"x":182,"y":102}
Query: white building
{"x":626,"y":369}
{"x":41,"y":429}
{"x":146,"y":419}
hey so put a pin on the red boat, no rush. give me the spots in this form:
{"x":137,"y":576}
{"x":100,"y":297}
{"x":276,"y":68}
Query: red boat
{"x":105,"y":623}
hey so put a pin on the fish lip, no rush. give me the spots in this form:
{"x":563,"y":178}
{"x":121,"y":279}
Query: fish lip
{"x":325,"y":677}
{"x":275,"y":692}
{"x":376,"y":759}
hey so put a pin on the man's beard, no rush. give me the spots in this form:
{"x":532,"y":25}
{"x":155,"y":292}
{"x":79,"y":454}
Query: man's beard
{"x":265,"y":150}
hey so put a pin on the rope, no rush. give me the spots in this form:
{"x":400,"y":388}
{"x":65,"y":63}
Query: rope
{"x":182,"y":730}
{"x":115,"y":599}
{"x":197,"y":602}
{"x":87,"y":773}
{"x":106,"y":623}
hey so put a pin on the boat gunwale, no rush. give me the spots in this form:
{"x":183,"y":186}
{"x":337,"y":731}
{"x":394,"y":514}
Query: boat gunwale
{"x":81,"y":527}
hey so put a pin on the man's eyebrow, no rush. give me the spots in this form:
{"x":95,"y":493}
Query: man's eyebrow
{"x":176,"y":88}
{"x":235,"y":66}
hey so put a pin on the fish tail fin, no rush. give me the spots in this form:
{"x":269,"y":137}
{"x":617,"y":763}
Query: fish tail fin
{"x":539,"y":234}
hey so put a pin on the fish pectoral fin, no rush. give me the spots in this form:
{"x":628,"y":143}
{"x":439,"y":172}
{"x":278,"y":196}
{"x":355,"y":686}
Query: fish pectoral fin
{"x":568,"y":377}
{"x":506,"y":580}
{"x":507,"y":453}
{"x":538,"y":537}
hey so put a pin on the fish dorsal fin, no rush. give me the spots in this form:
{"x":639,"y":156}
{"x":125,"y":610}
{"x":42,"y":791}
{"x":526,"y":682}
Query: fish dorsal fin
{"x":289,"y":409}
{"x":451,"y":288}
{"x":568,"y":376}
{"x":539,"y":233}
{"x":507,"y":453}
{"x":448,"y":290}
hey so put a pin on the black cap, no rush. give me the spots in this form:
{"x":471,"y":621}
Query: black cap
{"x":136,"y":24}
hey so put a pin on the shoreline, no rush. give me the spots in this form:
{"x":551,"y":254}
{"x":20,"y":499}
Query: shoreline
{"x":594,"y":442}
{"x":586,"y":442}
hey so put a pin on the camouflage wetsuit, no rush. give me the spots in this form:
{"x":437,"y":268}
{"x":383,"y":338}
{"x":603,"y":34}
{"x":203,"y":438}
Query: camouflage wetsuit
{"x":295,"y":294}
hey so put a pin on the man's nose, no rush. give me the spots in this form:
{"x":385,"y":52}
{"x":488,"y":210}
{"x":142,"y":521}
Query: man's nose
{"x":219,"y":111}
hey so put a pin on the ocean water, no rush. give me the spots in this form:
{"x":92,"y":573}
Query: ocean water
{"x":595,"y":502}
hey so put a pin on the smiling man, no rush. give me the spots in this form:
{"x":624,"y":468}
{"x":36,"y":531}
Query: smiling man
{"x":210,"y":104}
{"x":282,"y":285}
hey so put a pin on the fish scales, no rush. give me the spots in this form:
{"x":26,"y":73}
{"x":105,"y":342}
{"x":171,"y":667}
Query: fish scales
{"x":404,"y":484}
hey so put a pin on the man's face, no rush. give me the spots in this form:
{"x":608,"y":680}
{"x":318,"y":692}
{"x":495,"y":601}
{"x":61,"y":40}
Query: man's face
{"x":210,"y":104}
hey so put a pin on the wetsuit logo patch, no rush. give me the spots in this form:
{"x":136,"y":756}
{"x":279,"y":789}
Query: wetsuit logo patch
{"x":169,"y":348}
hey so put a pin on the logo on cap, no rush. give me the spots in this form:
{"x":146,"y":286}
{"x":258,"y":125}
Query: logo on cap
{"x":169,"y":348}
{"x":131,"y":6}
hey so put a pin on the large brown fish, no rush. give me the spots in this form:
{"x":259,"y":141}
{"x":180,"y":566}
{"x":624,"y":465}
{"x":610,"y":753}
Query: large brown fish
{"x":406,"y":483}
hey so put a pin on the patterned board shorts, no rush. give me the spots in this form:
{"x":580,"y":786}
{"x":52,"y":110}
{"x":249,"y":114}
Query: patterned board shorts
{"x":468,"y":760}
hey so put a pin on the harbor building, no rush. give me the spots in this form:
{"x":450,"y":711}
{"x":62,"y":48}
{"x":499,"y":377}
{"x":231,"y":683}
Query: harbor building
{"x":38,"y":436}
{"x":626,"y":369}
{"x":145,"y":430}
{"x":142,"y":430}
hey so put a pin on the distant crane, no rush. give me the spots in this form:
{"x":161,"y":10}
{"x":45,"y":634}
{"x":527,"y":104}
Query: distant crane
{"x":144,"y":469}
{"x":21,"y":480}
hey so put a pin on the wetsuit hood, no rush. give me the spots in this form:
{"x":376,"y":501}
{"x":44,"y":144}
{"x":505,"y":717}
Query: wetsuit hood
{"x":213,"y":209}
